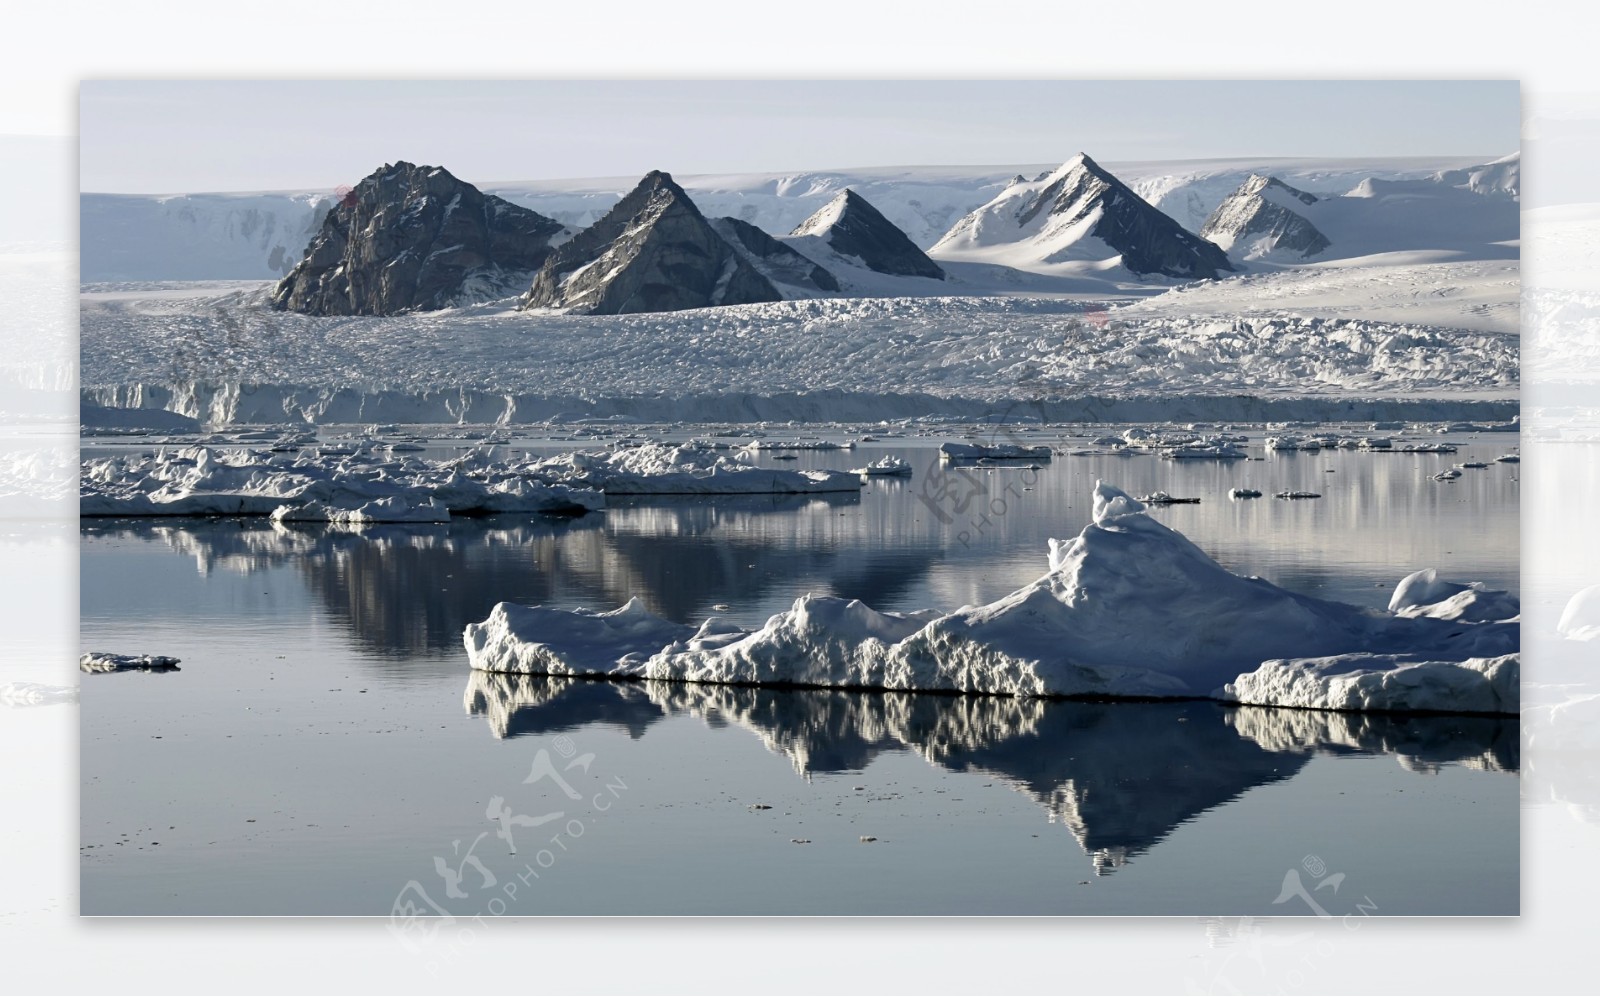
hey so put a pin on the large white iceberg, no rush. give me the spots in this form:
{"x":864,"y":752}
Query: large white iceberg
{"x":1129,"y":607}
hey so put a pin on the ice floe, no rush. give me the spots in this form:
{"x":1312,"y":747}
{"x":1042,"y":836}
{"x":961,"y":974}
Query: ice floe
{"x":1129,"y":608}
{"x":96,"y":662}
{"x":201,"y":481}
{"x":362,"y":485}
{"x":665,"y":469}
{"x":992,"y":451}
{"x":1378,"y":682}
{"x":886,"y":467}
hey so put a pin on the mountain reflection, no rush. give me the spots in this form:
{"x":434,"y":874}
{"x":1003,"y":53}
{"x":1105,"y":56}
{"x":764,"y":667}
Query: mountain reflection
{"x":1119,"y":776}
{"x":402,"y":589}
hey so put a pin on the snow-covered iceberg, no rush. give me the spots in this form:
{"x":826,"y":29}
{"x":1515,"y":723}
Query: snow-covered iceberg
{"x":1387,"y":682}
{"x":100,"y":662}
{"x":1129,"y":608}
{"x":992,"y":451}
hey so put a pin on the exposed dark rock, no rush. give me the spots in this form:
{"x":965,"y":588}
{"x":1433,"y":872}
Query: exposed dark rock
{"x":1148,"y":240}
{"x":777,"y":262}
{"x":852,"y":227}
{"x":652,"y":252}
{"x":415,"y":238}
{"x":1260,"y":218}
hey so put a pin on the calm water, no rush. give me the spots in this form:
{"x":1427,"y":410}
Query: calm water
{"x":325,"y":748}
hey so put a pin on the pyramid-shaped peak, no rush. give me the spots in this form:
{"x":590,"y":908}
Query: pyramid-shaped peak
{"x":1257,"y":183}
{"x":852,"y":227}
{"x":652,"y":252}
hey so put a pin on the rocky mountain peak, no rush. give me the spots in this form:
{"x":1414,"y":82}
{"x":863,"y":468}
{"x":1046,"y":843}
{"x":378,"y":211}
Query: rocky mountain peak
{"x":851,"y":227}
{"x":415,"y":238}
{"x":652,"y":252}
{"x":1262,"y":218}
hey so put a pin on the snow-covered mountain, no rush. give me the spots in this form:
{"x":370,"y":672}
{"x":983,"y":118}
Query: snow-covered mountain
{"x":1079,"y":218}
{"x":416,"y":238}
{"x":260,"y":236}
{"x":652,"y":252}
{"x":849,"y":229}
{"x":779,"y":263}
{"x":1263,"y":219}
{"x":1502,"y":176}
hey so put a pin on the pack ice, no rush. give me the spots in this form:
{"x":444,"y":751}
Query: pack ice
{"x":368,"y":486}
{"x":1128,"y":608}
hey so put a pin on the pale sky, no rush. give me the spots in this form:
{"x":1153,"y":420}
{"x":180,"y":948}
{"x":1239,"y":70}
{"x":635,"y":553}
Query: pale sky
{"x":178,"y":136}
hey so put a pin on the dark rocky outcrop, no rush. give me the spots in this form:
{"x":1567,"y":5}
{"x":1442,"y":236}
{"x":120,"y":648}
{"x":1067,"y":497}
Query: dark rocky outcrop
{"x":777,"y":262}
{"x":1149,"y":241}
{"x":652,"y":252}
{"x":852,"y":227}
{"x":1260,"y":219}
{"x":415,"y":238}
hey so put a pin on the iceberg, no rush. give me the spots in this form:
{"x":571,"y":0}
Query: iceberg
{"x":1386,"y":683}
{"x":887,"y":466}
{"x":995,"y":451}
{"x":1129,"y":608}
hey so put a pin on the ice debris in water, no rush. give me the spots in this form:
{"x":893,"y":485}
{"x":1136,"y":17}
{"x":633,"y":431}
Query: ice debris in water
{"x":358,"y":484}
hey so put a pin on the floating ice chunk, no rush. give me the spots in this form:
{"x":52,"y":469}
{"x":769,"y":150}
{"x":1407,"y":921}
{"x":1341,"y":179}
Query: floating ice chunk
{"x":1448,"y":474}
{"x":1509,"y":458}
{"x":1424,"y":593}
{"x":200,"y":481}
{"x":1162,"y":498}
{"x":886,"y":466}
{"x":663,"y":469}
{"x":1244,"y":493}
{"x":540,"y":641}
{"x":992,"y":451}
{"x":1299,"y":495}
{"x":1367,"y":682}
{"x":95,"y":662}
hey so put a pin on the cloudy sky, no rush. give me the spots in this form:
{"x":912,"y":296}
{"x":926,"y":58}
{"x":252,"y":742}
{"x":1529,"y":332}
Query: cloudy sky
{"x":162,"y":137}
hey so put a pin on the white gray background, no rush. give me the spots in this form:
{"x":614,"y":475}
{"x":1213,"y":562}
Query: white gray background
{"x":48,"y":949}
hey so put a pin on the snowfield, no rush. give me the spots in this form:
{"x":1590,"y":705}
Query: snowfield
{"x":1128,"y":608}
